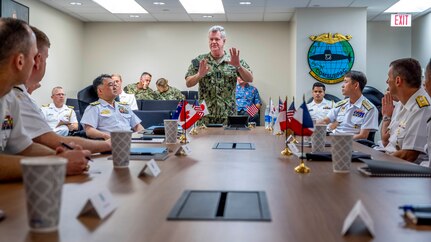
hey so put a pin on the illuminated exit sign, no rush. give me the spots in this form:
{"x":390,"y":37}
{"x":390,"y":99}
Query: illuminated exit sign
{"x":401,"y":20}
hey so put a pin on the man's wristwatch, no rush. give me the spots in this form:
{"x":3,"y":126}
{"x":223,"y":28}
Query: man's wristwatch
{"x":386,"y":118}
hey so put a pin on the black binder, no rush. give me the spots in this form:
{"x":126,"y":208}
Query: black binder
{"x":395,"y":169}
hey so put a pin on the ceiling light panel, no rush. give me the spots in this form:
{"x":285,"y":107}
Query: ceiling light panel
{"x":203,"y":7}
{"x":409,"y":6}
{"x":121,"y":6}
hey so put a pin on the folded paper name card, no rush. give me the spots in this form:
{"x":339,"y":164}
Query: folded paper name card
{"x":221,"y":206}
{"x":358,"y":214}
{"x":234,"y":146}
{"x":150,"y":168}
{"x":101,"y":204}
{"x":183,"y":150}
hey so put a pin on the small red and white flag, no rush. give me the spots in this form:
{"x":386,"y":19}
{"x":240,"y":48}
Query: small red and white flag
{"x":252,"y":110}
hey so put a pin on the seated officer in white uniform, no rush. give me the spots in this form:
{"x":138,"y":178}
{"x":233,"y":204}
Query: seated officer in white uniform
{"x":319,"y":107}
{"x":355,"y":115}
{"x":17,"y":59}
{"x":33,"y":120}
{"x":124,"y":97}
{"x":60,"y":117}
{"x":106,"y":115}
{"x":404,"y":81}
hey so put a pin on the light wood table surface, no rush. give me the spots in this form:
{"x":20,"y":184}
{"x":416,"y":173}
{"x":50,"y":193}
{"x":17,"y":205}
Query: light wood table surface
{"x":304,"y":207}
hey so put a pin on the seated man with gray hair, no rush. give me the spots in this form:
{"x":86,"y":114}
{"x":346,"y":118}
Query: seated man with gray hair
{"x":60,"y":117}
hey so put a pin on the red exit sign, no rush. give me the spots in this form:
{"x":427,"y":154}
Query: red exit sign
{"x":401,"y":20}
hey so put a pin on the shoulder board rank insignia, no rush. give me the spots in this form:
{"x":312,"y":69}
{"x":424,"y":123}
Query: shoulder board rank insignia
{"x":71,"y":107}
{"x":422,"y":101}
{"x":367,"y":105}
{"x":341,"y":103}
{"x":95,"y":103}
{"x":45,"y":105}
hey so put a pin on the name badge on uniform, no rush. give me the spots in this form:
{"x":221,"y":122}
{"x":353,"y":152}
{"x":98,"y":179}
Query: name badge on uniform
{"x":358,"y":113}
{"x":105,"y":111}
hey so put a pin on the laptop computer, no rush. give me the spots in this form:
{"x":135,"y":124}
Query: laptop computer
{"x":237,"y":122}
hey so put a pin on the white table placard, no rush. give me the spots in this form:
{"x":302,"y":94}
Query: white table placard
{"x":102,"y":203}
{"x":183,"y":150}
{"x":358,"y":211}
{"x":294,"y":149}
{"x":153,"y":169}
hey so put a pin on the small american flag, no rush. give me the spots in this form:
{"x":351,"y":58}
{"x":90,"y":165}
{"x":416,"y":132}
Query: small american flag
{"x":252,"y":110}
{"x":291,"y":111}
{"x":197,"y":106}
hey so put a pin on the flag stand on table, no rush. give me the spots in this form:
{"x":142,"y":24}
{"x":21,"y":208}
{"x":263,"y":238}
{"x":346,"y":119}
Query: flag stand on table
{"x":281,"y":108}
{"x":305,"y":122}
{"x":183,"y":137}
{"x":194,"y":130}
{"x":286,"y":151}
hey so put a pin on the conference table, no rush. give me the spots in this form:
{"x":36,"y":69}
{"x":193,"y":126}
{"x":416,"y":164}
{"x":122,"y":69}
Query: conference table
{"x":303,"y":207}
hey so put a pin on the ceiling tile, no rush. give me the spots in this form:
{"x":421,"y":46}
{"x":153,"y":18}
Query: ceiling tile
{"x":277,"y":16}
{"x":245,"y":17}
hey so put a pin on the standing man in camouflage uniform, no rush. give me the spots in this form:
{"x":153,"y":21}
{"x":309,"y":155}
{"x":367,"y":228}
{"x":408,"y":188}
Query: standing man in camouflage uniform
{"x":141,"y":89}
{"x":216,"y":73}
{"x":166,"y":92}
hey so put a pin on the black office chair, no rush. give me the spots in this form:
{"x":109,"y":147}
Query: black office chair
{"x":327,"y":96}
{"x":85,"y":97}
{"x":375,"y":97}
{"x":193,"y":95}
{"x":153,"y":117}
{"x":185,"y":93}
{"x":159,"y":104}
{"x":73,"y":102}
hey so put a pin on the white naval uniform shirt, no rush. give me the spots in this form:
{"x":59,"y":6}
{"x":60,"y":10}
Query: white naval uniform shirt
{"x":129,"y":99}
{"x":321,"y":110}
{"x":393,"y":125}
{"x":410,"y":133}
{"x":33,"y":120}
{"x":353,"y":117}
{"x":12,"y":136}
{"x":102,"y":116}
{"x":54,"y":115}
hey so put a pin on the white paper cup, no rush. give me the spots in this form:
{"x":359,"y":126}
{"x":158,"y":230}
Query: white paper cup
{"x":171,"y":129}
{"x":318,"y":138}
{"x":341,"y":151}
{"x":43,"y":181}
{"x":121,"y":148}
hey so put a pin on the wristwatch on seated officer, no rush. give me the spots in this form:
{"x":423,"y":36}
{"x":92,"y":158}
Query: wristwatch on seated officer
{"x":386,"y":118}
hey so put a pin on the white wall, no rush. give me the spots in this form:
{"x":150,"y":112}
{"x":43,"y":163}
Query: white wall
{"x":421,"y":39}
{"x":385,"y":44}
{"x":316,"y":21}
{"x":166,"y":50}
{"x":64,"y":64}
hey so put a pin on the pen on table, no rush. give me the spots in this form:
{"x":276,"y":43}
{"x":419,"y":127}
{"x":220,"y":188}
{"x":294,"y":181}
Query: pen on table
{"x":418,"y":208}
{"x":70,"y":148}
